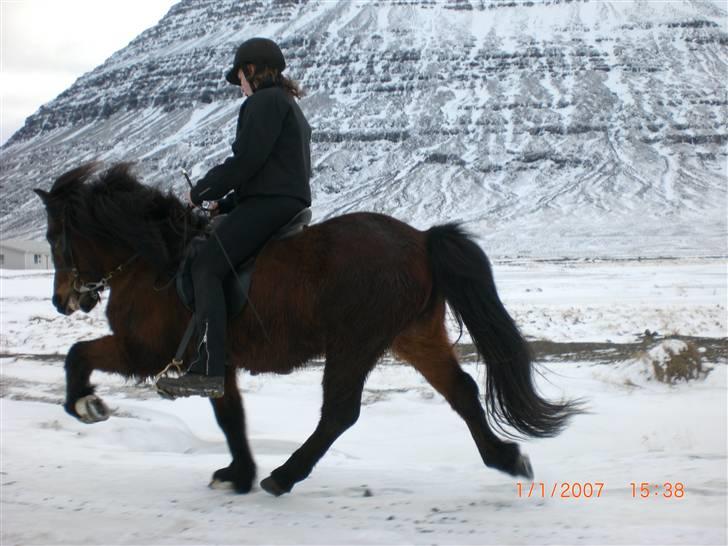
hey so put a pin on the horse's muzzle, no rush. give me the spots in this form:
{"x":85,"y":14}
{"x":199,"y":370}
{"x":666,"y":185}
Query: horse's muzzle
{"x":67,"y":307}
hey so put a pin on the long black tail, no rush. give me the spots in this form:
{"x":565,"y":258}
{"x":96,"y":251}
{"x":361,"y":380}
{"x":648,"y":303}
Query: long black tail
{"x":462,"y":274}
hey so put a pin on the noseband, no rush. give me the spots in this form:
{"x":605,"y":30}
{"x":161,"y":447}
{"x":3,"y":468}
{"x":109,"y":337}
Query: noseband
{"x":93,"y":288}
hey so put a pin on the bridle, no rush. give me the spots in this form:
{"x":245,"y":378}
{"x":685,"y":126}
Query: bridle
{"x":92,"y":288}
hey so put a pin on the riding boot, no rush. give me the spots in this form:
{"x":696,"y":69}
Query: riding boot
{"x":236,"y":237}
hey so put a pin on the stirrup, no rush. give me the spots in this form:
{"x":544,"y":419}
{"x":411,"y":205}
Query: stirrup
{"x":179,"y":370}
{"x":192,"y":384}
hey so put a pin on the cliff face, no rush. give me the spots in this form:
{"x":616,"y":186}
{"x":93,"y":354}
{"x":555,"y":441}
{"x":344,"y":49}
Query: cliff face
{"x":554,"y":128}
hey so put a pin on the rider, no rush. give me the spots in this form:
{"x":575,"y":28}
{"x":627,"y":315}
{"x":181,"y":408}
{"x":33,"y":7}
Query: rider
{"x":267,"y":179}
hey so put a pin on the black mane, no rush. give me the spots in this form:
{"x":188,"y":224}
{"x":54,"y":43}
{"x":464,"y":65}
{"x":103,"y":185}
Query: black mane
{"x":113,"y":206}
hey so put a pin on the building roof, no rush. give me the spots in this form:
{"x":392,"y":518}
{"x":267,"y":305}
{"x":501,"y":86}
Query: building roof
{"x":31,"y":247}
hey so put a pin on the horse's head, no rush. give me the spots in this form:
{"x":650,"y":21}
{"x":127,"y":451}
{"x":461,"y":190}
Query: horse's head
{"x":98,"y":227}
{"x":74,"y":256}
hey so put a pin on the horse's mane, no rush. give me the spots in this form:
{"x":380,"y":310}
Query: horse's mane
{"x":112,"y":205}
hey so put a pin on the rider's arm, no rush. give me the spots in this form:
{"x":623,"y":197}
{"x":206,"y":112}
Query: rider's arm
{"x":226,"y":204}
{"x":262,"y":119}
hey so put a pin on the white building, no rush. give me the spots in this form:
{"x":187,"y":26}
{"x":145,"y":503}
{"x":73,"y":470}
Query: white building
{"x":17,"y":254}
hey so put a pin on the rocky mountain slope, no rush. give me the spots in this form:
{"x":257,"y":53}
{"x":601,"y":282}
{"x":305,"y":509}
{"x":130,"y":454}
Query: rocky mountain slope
{"x":552,"y":128}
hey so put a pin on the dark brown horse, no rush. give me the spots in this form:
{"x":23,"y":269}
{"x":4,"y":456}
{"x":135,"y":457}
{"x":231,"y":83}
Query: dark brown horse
{"x":348,"y":289}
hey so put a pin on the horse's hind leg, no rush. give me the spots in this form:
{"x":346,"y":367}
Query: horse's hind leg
{"x":343,"y":383}
{"x":231,"y":418}
{"x":426,"y":346}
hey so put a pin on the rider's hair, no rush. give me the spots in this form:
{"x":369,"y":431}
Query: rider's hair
{"x":266,"y":76}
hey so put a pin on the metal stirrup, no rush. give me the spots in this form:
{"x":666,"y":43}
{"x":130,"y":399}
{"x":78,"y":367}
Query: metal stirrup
{"x":177,"y":360}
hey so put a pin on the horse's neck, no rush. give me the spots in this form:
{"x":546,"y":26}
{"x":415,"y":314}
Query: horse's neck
{"x":142,"y":291}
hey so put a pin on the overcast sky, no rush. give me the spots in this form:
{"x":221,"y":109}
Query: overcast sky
{"x":47,"y":44}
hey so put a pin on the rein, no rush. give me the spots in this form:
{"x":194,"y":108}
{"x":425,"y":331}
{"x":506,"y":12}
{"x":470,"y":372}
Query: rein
{"x":98,"y":286}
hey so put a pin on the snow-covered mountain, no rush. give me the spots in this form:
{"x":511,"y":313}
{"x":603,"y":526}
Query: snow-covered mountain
{"x":552,"y":128}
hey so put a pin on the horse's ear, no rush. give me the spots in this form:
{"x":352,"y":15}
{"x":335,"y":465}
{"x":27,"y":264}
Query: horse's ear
{"x":43,"y":195}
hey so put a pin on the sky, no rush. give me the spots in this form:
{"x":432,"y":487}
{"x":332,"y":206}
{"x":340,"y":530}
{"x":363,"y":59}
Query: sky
{"x":47,"y":44}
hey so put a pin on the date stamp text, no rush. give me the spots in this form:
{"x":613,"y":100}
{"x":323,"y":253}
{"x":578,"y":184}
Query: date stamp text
{"x":596,"y":490}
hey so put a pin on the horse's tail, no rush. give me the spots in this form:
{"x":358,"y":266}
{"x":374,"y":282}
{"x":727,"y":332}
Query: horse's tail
{"x":462,"y":274}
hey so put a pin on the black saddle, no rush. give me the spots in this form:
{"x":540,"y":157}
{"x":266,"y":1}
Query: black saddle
{"x":236,"y":287}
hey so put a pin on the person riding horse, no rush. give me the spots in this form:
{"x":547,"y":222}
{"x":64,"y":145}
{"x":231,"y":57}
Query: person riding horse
{"x":259,"y":188}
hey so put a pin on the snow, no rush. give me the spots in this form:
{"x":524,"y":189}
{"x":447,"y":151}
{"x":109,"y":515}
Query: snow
{"x":557,"y":301}
{"x":408,"y":471}
{"x":616,"y":301}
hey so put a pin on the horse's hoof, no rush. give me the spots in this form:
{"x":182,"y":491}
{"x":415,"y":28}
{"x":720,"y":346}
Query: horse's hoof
{"x":271,"y":486}
{"x":91,"y":409}
{"x":239,"y":477}
{"x":523,"y":467}
{"x":220,"y":485}
{"x":223,"y":474}
{"x":242,"y":489}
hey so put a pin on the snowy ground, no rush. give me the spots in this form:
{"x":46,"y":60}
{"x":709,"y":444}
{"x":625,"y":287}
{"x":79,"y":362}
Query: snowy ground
{"x":407,"y":472}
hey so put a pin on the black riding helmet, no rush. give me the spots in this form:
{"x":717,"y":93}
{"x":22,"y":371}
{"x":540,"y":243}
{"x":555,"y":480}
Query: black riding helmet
{"x":258,"y":51}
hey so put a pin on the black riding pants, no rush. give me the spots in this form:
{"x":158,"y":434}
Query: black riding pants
{"x":242,"y":232}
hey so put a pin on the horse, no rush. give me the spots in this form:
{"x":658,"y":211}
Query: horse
{"x":347,"y":289}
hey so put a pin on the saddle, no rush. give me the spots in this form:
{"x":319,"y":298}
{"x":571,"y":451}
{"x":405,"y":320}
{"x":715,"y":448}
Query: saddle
{"x":237,"y":286}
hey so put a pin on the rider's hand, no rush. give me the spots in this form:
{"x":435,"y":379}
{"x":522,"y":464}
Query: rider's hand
{"x":188,"y":196}
{"x":213,"y":207}
{"x":210,"y":206}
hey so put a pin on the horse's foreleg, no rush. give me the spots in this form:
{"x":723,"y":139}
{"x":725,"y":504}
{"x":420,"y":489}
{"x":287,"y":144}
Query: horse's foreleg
{"x":231,"y":418}
{"x":343,"y":386}
{"x":81,"y":360}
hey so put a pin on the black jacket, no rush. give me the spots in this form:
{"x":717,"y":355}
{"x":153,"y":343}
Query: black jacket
{"x":271,"y":153}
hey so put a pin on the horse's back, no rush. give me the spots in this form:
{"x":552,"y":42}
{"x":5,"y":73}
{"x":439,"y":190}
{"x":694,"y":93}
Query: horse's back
{"x":365,"y":274}
{"x":352,"y":242}
{"x":370,"y":236}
